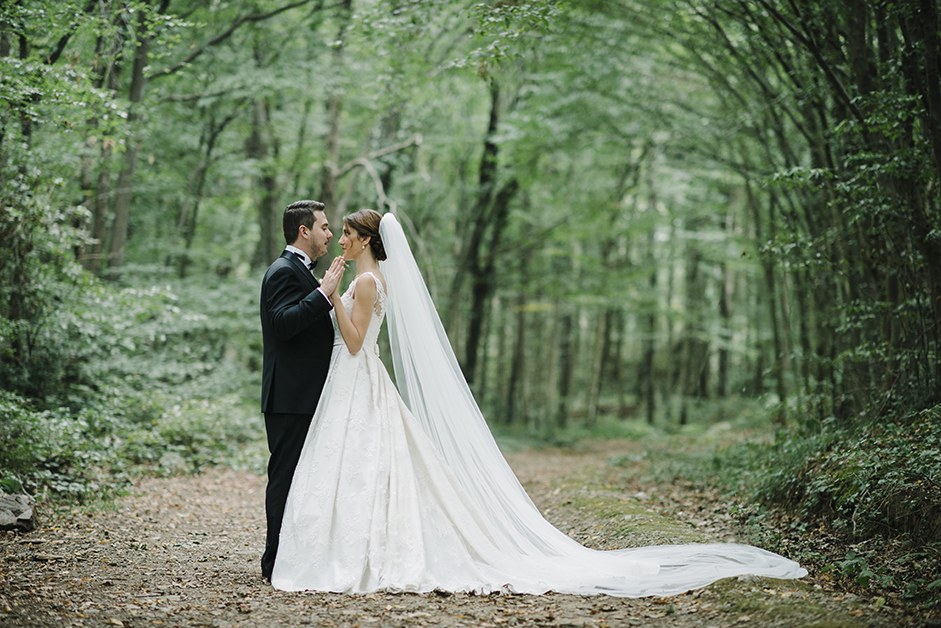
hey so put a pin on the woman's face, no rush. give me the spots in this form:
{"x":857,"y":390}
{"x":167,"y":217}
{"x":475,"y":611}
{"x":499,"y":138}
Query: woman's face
{"x":351,"y":243}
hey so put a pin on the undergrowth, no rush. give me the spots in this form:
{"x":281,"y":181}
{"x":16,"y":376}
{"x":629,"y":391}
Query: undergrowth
{"x":859,"y":503}
{"x":159,"y":379}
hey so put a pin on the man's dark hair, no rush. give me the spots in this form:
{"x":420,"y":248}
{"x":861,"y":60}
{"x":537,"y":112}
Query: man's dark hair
{"x":299,"y":213}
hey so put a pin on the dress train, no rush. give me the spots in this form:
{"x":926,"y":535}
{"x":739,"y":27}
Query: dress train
{"x":375,"y":505}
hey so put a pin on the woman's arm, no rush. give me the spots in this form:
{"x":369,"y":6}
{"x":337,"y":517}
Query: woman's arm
{"x":353,"y":326}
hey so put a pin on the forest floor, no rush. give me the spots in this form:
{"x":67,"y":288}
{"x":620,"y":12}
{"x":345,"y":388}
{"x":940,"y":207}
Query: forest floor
{"x":185,"y":550}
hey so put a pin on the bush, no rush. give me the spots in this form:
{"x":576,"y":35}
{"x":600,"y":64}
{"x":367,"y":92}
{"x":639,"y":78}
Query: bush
{"x":881,"y":480}
{"x":51,"y":451}
{"x":862,"y":502}
{"x":142,"y":382}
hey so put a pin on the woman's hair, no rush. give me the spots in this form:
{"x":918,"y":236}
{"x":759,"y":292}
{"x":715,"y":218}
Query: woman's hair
{"x":365,"y":222}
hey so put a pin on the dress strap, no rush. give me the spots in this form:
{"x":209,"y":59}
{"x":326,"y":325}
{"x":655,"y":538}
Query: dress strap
{"x":380,"y":302}
{"x":381,"y":287}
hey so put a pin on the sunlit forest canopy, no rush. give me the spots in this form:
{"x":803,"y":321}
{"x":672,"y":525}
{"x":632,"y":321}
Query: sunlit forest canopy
{"x":632,"y":208}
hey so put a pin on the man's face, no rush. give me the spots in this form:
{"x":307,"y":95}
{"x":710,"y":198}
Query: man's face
{"x":319,"y":236}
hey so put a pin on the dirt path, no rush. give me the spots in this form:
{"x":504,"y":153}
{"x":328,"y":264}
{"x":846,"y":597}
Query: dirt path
{"x":184,"y":551}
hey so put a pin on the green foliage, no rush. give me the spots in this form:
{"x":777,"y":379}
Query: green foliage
{"x":37,"y":277}
{"x":141,"y":382}
{"x":504,"y":23}
{"x":880,"y":480}
{"x":61,"y":454}
{"x":874,"y":486}
{"x":51,"y":450}
{"x":857,"y":568}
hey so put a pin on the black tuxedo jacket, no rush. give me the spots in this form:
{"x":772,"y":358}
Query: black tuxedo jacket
{"x":298,"y":338}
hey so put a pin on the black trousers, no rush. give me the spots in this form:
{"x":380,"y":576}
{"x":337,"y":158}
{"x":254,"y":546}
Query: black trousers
{"x":286,"y":435}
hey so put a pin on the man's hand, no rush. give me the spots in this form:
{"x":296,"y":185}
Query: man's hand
{"x":331,"y":278}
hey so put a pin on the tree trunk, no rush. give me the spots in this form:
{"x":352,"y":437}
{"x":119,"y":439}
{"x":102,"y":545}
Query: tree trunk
{"x":259,"y":147}
{"x":617,"y":328}
{"x":566,"y":366}
{"x":95,"y":254}
{"x":87,"y":200}
{"x":472,"y":225}
{"x":725,"y":315}
{"x":125,"y":187}
{"x":550,"y":371}
{"x":329,"y":194}
{"x":26,"y":122}
{"x":504,"y":359}
{"x":597,"y":369}
{"x":300,"y":150}
{"x":122,"y":198}
{"x":107,"y":75}
{"x":515,"y":401}
{"x":778,"y":366}
{"x":188,"y":217}
{"x":482,"y":392}
{"x":673,"y":376}
{"x":803,"y":291}
{"x":649,"y":346}
{"x":780,"y":355}
{"x":689,"y":357}
{"x":484,"y":277}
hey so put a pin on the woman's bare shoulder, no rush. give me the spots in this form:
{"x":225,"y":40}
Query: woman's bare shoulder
{"x":371,"y":278}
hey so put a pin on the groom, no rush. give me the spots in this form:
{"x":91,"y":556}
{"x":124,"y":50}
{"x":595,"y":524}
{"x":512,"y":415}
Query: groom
{"x":298,"y":339}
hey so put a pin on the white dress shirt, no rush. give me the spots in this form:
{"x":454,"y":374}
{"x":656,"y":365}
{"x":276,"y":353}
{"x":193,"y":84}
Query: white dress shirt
{"x":307,"y":262}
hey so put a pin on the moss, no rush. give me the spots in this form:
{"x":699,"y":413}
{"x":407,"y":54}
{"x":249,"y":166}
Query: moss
{"x":770,"y":602}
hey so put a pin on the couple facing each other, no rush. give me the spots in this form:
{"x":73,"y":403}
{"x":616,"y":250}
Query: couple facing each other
{"x":373,"y":487}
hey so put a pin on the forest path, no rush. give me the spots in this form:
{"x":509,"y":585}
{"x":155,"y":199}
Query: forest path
{"x":184,"y":551}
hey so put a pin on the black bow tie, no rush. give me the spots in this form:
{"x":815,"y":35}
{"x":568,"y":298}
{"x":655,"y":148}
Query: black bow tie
{"x":310,"y":265}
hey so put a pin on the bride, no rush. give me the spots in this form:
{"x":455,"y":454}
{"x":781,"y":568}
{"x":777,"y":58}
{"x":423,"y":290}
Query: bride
{"x":407,"y":491}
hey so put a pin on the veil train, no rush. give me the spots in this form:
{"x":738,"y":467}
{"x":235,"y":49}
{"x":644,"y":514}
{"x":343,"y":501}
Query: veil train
{"x":433,"y":387}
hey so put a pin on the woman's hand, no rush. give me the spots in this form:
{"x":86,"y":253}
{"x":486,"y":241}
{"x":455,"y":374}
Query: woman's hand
{"x":331,"y":278}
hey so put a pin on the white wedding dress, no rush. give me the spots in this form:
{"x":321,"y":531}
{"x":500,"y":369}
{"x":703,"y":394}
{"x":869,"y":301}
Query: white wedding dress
{"x":416,"y":497}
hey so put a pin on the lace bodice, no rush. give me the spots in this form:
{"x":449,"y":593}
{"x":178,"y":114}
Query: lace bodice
{"x":375,"y":323}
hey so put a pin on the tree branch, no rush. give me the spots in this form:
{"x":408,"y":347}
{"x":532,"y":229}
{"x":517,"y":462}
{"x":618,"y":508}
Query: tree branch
{"x":185,"y":97}
{"x":827,"y":70}
{"x":258,"y":17}
{"x":53,"y":56}
{"x":414,"y":140}
{"x":377,"y":180}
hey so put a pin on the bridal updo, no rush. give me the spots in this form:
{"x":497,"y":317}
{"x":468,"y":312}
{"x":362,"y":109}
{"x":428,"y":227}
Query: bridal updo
{"x":365,"y":222}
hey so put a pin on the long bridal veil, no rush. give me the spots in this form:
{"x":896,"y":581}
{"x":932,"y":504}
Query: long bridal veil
{"x":433,"y":387}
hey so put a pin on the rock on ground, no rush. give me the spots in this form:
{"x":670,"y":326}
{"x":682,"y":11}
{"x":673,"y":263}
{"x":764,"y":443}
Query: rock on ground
{"x":16,"y":513}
